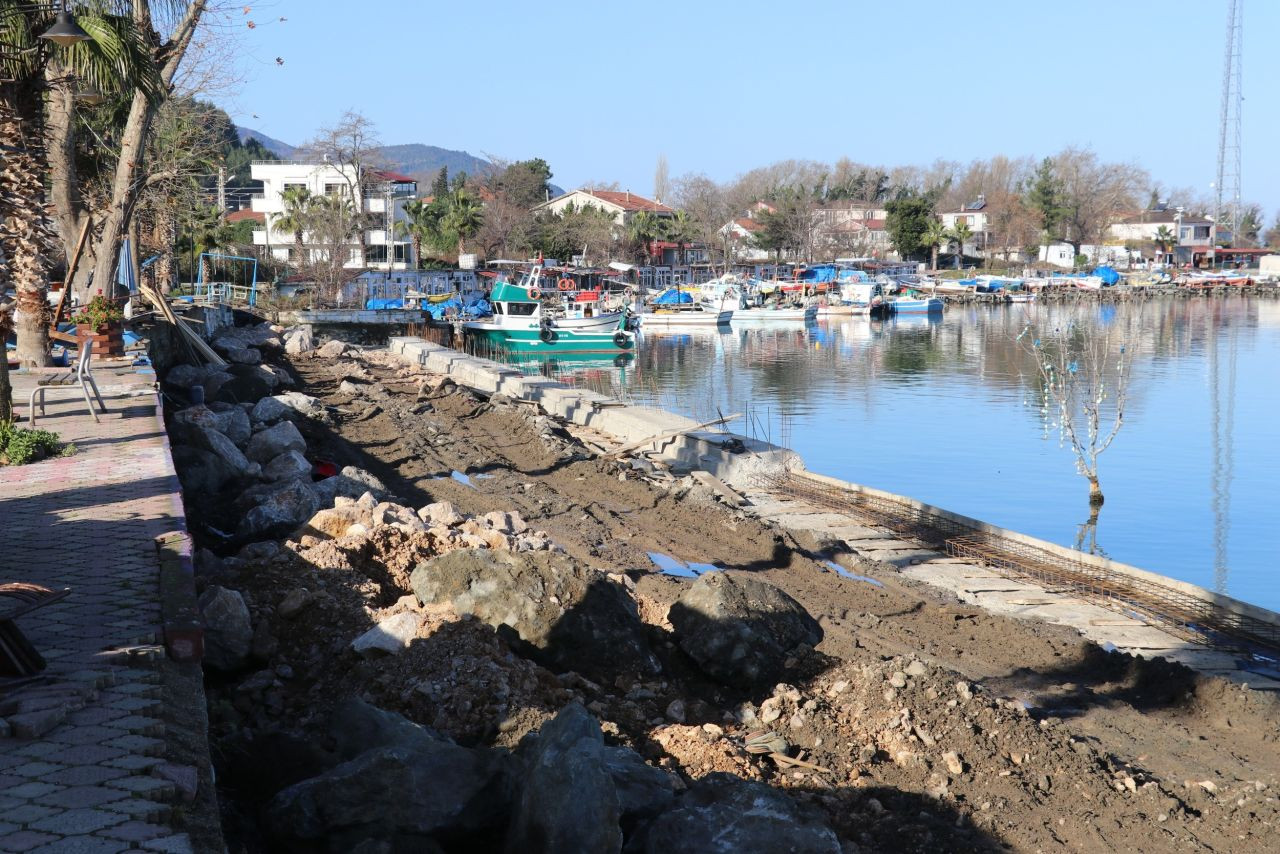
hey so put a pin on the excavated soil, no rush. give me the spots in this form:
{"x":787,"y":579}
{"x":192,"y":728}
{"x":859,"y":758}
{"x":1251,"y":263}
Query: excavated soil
{"x":917,"y":724}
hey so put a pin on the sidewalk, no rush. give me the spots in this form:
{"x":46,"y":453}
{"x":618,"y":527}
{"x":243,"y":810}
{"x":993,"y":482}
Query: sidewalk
{"x":84,"y":761}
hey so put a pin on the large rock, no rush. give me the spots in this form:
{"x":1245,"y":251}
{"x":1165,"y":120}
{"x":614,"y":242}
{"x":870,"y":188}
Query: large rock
{"x":290,"y":464}
{"x":567,"y":615}
{"x":287,"y":405}
{"x":643,"y":790}
{"x":724,"y":815}
{"x":247,"y":384}
{"x":184,"y":376}
{"x":280,"y":512}
{"x":201,"y":472}
{"x":274,"y":441}
{"x":333,"y":349}
{"x":351,"y":482}
{"x":411,"y":784}
{"x":228,"y":629}
{"x":260,"y":335}
{"x":245,"y":356}
{"x":299,"y":340}
{"x":740,"y":630}
{"x":357,"y":726}
{"x":568,"y":801}
{"x":215,"y":442}
{"x":232,"y":423}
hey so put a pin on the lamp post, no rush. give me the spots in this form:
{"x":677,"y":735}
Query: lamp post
{"x":1177,"y":235}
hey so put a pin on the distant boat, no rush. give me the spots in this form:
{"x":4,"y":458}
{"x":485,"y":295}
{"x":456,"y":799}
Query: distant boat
{"x":915,"y":305}
{"x":522,"y":323}
{"x":692,"y":315}
{"x":805,"y":314}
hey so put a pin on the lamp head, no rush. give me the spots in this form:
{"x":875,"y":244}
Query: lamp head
{"x":65,"y":31}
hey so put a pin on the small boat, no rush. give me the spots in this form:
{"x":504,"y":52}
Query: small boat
{"x":521,"y":322}
{"x":692,"y":315}
{"x":805,"y":314}
{"x":1021,"y":296}
{"x":915,"y":305}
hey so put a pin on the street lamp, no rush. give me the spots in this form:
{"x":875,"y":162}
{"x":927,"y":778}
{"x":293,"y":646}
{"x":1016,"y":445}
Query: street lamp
{"x":1177,"y":234}
{"x":65,"y":31}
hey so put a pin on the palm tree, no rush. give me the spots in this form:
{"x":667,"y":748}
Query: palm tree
{"x":935,"y":234}
{"x":643,"y":228}
{"x":1164,"y":238}
{"x":419,"y":219}
{"x":115,"y":60}
{"x":294,"y":219}
{"x":6,"y":388}
{"x":960,"y":234}
{"x":682,"y":231}
{"x":464,"y":218}
{"x":209,"y":232}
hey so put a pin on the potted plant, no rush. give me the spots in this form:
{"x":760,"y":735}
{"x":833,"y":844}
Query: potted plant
{"x":101,"y":320}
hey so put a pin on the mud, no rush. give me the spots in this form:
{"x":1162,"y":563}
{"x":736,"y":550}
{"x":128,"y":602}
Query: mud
{"x":919,"y":723}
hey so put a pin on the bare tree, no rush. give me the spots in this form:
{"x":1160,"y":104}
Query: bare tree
{"x":661,"y":180}
{"x":709,"y":208}
{"x":1084,"y":385}
{"x":351,"y":147}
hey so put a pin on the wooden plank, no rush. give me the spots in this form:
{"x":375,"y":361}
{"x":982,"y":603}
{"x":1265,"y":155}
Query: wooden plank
{"x":708,"y":479}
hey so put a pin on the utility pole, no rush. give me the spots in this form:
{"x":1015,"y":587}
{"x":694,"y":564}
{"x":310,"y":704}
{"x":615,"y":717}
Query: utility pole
{"x":1226,"y":202}
{"x":222,"y":191}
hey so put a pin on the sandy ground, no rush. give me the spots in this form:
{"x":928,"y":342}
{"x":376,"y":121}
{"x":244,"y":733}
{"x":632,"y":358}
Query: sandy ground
{"x":936,"y":725}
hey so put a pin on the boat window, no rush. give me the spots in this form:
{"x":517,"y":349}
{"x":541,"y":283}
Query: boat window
{"x":497,"y":308}
{"x":521,"y":308}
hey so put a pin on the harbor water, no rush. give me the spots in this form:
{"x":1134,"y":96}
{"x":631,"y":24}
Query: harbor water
{"x":949,"y":410}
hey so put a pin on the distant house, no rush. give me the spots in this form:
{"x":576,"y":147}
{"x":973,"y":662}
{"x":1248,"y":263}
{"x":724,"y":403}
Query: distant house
{"x":1194,"y":233}
{"x":383,"y":195}
{"x":977,"y":218}
{"x":739,"y":235}
{"x":622,"y":205}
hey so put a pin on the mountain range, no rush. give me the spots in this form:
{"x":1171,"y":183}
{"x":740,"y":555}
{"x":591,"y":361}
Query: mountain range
{"x":418,"y":161}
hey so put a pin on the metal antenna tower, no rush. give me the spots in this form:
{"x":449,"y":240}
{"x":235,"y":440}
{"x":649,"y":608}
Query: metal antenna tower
{"x":1226,"y":205}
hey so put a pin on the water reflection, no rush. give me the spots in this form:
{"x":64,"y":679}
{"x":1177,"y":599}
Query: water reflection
{"x":950,"y":410}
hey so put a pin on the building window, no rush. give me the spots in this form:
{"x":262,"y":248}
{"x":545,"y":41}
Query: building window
{"x":336,"y":190}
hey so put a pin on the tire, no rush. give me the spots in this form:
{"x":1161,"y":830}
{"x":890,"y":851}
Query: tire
{"x":548,"y":335}
{"x":621,"y":339}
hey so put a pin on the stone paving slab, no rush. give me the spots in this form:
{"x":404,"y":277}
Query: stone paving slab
{"x":89,"y":522}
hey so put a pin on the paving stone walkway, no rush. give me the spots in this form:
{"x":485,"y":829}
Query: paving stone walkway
{"x":83,"y":753}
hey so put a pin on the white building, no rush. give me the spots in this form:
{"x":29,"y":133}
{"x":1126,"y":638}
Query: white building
{"x":382,"y":198}
{"x":975,"y":216}
{"x":621,"y":205}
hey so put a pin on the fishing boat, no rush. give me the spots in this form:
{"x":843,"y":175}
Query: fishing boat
{"x":915,"y":305}
{"x":677,"y":307}
{"x":765,"y":313}
{"x":522,"y":322}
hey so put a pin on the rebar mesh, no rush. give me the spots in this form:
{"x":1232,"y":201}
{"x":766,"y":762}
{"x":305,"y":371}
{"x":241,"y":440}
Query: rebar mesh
{"x":1183,"y":614}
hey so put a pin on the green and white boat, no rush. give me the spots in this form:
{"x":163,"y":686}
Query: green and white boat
{"x":521,"y":322}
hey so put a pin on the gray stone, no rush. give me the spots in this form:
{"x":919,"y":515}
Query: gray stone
{"x":231,"y":422}
{"x":294,"y":602}
{"x":274,"y":441}
{"x":201,"y":472}
{"x":299,"y":340}
{"x":244,"y":383}
{"x":245,"y":356}
{"x":441,"y":514}
{"x":333,"y":349}
{"x":228,"y":629}
{"x":351,"y":482}
{"x":217,"y":443}
{"x":287,"y":465}
{"x":568,"y":801}
{"x":214,"y":380}
{"x":724,"y":815}
{"x":740,"y":630}
{"x":389,"y":636}
{"x":184,"y":376}
{"x":260,"y":335}
{"x":280,"y":512}
{"x":565,"y":614}
{"x":415,"y":785}
{"x":642,"y":789}
{"x":269,"y":410}
{"x":303,"y":404}
{"x":357,"y":726}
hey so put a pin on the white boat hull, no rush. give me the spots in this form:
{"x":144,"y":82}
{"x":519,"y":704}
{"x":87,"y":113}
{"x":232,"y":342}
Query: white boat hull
{"x":690,"y":317}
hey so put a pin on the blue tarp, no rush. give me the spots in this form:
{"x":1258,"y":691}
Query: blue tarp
{"x":818,"y":273}
{"x":384,"y":303}
{"x":453,"y":307}
{"x":853,"y":276}
{"x":672,"y":296}
{"x":1108,"y":275}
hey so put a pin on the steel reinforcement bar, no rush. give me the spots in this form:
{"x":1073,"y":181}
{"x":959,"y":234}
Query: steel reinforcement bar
{"x":1189,"y":616}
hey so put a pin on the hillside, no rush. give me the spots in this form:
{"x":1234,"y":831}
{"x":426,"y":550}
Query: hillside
{"x":414,"y":159}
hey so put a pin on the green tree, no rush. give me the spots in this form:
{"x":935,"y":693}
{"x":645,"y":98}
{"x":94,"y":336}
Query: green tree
{"x":464,"y":215}
{"x":293,"y":220}
{"x":642,"y":229}
{"x":908,"y":220}
{"x":960,"y":234}
{"x":935,"y":234}
{"x":440,"y":186}
{"x":421,"y":224}
{"x":1250,"y":226}
{"x":1045,"y":198}
{"x":1165,"y":239}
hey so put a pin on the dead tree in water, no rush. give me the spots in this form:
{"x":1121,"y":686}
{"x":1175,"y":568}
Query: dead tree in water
{"x":1084,"y":383}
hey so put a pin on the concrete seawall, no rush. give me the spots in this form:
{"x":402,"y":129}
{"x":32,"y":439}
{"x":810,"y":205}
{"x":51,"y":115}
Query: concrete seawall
{"x":750,"y":466}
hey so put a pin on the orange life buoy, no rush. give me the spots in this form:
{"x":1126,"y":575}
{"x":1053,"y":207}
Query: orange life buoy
{"x":565,"y":284}
{"x":534,"y":293}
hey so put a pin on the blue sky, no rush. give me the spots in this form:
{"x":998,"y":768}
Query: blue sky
{"x":600,"y":89}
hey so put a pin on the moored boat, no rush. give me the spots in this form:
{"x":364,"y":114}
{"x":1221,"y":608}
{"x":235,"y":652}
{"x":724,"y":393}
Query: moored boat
{"x":915,"y":305}
{"x":521,"y":322}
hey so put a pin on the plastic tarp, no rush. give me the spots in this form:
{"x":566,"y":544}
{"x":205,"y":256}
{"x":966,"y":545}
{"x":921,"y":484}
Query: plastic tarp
{"x":454,"y":307}
{"x":1108,"y":275}
{"x":818,"y":273}
{"x":384,"y":303}
{"x":853,"y":276}
{"x":673,"y":296}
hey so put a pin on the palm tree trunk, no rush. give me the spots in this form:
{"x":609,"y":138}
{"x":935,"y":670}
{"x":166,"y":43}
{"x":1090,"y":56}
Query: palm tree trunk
{"x":25,"y":231}
{"x":6,"y":389}
{"x":935,"y":257}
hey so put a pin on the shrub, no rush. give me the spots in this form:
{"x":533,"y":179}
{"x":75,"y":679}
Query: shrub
{"x":99,"y":311}
{"x":19,"y":446}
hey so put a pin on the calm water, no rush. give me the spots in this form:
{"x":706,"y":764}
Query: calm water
{"x":948,"y":411}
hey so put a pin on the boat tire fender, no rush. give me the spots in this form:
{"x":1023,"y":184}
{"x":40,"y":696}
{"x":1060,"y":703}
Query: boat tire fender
{"x":621,"y":338}
{"x":565,"y":284}
{"x":547,"y":334}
